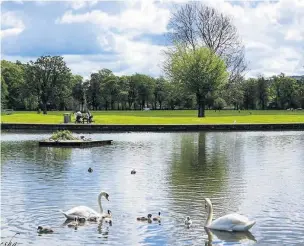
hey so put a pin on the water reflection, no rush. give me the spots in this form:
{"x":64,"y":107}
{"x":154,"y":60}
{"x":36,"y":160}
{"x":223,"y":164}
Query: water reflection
{"x":229,"y":237}
{"x":257,"y":174}
{"x":199,"y":159}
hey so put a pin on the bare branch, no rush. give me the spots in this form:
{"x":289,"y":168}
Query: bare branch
{"x":197,"y":25}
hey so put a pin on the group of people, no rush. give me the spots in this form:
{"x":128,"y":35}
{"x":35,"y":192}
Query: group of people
{"x":79,"y":116}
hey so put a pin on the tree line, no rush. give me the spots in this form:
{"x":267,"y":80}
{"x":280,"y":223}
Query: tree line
{"x":48,"y":84}
{"x":204,"y":68}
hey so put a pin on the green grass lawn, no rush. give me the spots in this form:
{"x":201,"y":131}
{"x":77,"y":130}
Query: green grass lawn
{"x":165,"y":117}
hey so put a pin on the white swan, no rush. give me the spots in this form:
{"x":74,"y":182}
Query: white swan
{"x":86,"y":212}
{"x":229,"y":222}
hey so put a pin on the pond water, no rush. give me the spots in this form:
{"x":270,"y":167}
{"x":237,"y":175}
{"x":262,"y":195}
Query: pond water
{"x":257,"y":174}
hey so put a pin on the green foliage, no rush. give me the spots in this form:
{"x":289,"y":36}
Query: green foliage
{"x":48,"y":78}
{"x":201,"y":72}
{"x":35,"y":85}
{"x":63,"y":135}
{"x":219,"y":103}
{"x":4,"y":93}
{"x":12,"y":81}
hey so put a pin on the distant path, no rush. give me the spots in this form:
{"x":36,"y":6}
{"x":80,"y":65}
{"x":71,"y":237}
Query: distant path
{"x":153,"y":128}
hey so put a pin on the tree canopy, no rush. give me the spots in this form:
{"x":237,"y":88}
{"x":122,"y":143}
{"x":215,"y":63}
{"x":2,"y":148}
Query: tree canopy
{"x":201,"y":71}
{"x":22,"y":89}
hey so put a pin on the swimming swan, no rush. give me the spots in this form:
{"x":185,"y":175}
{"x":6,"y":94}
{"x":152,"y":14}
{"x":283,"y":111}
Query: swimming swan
{"x":229,"y":222}
{"x":86,"y":212}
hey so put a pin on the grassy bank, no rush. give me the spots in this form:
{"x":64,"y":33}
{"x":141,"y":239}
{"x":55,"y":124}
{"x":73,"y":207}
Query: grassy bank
{"x":165,"y":117}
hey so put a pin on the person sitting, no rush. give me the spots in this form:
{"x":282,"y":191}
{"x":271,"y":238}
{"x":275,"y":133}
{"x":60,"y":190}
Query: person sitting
{"x":78,"y":117}
{"x":88,"y":118}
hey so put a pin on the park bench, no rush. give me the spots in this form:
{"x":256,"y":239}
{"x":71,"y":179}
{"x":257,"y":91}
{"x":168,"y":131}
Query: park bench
{"x":87,"y":119}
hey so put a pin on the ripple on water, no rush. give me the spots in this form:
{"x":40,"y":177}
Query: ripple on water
{"x":254,"y":174}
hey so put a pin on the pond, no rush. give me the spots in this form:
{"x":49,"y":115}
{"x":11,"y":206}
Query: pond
{"x":257,"y":174}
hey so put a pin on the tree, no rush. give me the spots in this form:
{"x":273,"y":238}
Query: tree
{"x":233,"y":93}
{"x":159,"y":92}
{"x":4,"y":93}
{"x":249,"y":89}
{"x":201,"y":71}
{"x":12,"y":83}
{"x":262,"y":92}
{"x":219,"y":103}
{"x":283,"y":91}
{"x":144,"y":86}
{"x":78,"y":90}
{"x":46,"y":77}
{"x":197,"y":25}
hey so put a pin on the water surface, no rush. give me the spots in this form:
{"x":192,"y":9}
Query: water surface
{"x":257,"y":174}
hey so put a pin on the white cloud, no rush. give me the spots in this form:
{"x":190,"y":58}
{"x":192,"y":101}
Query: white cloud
{"x":145,"y":18}
{"x":79,"y":4}
{"x":272,"y":32}
{"x":13,"y":25}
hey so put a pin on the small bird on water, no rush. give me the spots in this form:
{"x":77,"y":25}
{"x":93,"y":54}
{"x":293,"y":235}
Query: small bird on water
{"x":157,"y":218}
{"x":42,"y":229}
{"x":188,"y":221}
{"x":90,"y":170}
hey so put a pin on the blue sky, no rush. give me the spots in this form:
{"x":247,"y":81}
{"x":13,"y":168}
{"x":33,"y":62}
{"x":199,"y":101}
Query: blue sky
{"x":128,"y":37}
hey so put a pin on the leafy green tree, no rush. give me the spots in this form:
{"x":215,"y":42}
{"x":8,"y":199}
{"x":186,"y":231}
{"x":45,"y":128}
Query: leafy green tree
{"x":123,"y":87}
{"x":4,"y":93}
{"x":219,"y":103}
{"x":159,"y":92}
{"x":300,"y":93}
{"x":262,"y":88}
{"x":283,"y":91}
{"x":12,"y":76}
{"x":201,"y":72}
{"x":249,"y":89}
{"x":144,"y":87}
{"x":47,"y":76}
{"x":78,"y":90}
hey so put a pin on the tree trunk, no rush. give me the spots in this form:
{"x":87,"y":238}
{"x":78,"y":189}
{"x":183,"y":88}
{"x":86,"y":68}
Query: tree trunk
{"x":44,"y":108}
{"x":201,"y":105}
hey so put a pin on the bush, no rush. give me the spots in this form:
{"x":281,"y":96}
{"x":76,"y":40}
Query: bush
{"x":63,"y":135}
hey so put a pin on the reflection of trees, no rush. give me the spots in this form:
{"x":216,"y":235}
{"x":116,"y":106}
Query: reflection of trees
{"x":44,"y":159}
{"x":30,"y":151}
{"x":199,"y":164}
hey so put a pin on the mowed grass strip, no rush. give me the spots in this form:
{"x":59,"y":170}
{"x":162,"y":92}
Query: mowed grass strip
{"x":164,"y":117}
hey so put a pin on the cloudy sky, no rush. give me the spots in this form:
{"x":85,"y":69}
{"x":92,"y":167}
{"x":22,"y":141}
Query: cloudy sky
{"x":128,"y":36}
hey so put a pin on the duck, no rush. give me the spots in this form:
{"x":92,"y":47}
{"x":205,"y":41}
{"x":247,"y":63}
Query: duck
{"x":109,"y":218}
{"x":93,"y":218}
{"x":188,"y":221}
{"x":145,"y":218}
{"x":90,"y":170}
{"x":157,"y":218}
{"x":81,"y":219}
{"x":73,"y":223}
{"x":133,"y":171}
{"x":43,"y":229}
{"x":229,"y":222}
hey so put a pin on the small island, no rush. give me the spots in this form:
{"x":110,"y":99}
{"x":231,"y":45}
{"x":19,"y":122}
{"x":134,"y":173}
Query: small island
{"x":66,"y":139}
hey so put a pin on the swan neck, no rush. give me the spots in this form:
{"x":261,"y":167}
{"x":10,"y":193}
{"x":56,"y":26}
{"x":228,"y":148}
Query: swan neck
{"x":210,"y":214}
{"x":99,"y":202}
